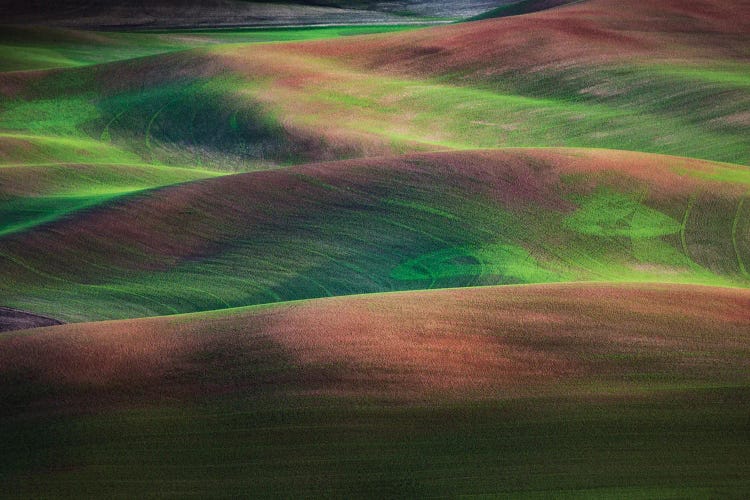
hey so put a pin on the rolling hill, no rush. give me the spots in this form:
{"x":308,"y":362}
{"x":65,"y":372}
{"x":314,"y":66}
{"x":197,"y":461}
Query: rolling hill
{"x":520,"y":390}
{"x":171,"y":14}
{"x":507,"y":257}
{"x":372,"y":225}
{"x":583,"y":76}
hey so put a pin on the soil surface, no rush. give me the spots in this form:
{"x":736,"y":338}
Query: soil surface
{"x":13,"y":319}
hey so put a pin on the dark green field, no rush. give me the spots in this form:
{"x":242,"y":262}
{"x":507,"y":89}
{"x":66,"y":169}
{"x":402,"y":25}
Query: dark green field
{"x":632,"y":448}
{"x":376,"y":250}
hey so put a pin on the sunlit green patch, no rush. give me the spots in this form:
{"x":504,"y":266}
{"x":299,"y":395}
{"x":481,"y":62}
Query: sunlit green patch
{"x":84,"y":179}
{"x":18,"y":58}
{"x":32,"y":48}
{"x":22,"y":214}
{"x":610,"y":214}
{"x":210,"y":123}
{"x":24,"y":57}
{"x":730,"y":75}
{"x":61,"y":116}
{"x":511,"y":263}
{"x":54,"y":191}
{"x":646,"y":113}
{"x":729,"y":173}
{"x":287,"y":34}
{"x":511,"y":113}
{"x":656,"y":251}
{"x":23,"y":49}
{"x":20,"y":148}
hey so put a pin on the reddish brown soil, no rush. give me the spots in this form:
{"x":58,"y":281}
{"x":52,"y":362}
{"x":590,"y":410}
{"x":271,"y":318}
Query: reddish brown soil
{"x":590,"y":32}
{"x":467,"y":343}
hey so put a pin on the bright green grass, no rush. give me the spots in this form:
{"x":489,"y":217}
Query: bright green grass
{"x":722,"y":173}
{"x":607,"y":214}
{"x":461,"y":117}
{"x":34,"y":48}
{"x":681,"y":104}
{"x":406,"y":240}
{"x":219,"y":122}
{"x":60,"y":116}
{"x":35,"y":149}
{"x":510,"y":261}
{"x":289,"y":34}
{"x":55,"y":191}
{"x":40,"y":48}
{"x":669,"y":444}
{"x":204,"y":123}
{"x":25,"y":58}
{"x":436,"y":237}
{"x":729,"y":75}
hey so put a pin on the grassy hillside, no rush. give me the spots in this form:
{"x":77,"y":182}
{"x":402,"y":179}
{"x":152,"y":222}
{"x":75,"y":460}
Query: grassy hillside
{"x":588,"y":79}
{"x":508,"y":257}
{"x":411,"y":222}
{"x":515,"y":341}
{"x":24,"y":48}
{"x":32,"y":195}
{"x":571,"y":389}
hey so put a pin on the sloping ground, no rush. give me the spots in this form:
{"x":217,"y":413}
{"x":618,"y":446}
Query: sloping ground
{"x":521,"y":7}
{"x":161,"y":14}
{"x":594,"y":31}
{"x":486,"y":343}
{"x":179,"y":109}
{"x":594,"y":74}
{"x":12,"y":319}
{"x":34,"y":47}
{"x":687,"y":108}
{"x":409,"y":222}
{"x":614,"y":374}
{"x":142,"y":14}
{"x":36,"y":194}
{"x":641,"y":78}
{"x":537,"y":390}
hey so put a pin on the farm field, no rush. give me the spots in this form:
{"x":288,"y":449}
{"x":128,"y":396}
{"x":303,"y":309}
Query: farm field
{"x":505,"y":389}
{"x":381,"y":249}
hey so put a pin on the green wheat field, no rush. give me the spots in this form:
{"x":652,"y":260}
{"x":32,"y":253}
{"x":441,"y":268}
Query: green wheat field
{"x":375,"y":250}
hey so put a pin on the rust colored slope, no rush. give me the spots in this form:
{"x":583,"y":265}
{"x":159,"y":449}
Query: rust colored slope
{"x":595,"y":31}
{"x":467,"y":343}
{"x":519,"y":338}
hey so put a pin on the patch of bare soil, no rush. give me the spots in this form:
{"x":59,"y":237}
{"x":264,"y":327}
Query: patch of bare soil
{"x":13,"y":319}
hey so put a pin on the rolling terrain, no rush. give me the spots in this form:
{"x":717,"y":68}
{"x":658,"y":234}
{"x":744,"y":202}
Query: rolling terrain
{"x":504,"y":257}
{"x":171,"y":14}
{"x":373,"y":225}
{"x":523,"y":390}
